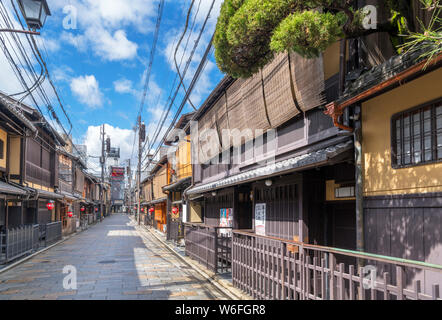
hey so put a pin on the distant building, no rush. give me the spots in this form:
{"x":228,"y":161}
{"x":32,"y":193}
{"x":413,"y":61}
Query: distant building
{"x":117,"y":175}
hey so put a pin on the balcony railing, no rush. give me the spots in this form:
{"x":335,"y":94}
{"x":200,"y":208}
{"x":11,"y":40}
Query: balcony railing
{"x":269,"y":268}
{"x":210,"y":246}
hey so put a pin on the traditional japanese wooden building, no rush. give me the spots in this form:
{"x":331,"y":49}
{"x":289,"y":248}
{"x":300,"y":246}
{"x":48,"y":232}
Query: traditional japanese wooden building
{"x":154,"y":199}
{"x":180,"y":178}
{"x":31,"y":144}
{"x":333,"y":169}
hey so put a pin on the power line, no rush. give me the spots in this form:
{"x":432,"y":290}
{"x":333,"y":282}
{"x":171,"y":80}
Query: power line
{"x":187,"y":93}
{"x":183,"y":103}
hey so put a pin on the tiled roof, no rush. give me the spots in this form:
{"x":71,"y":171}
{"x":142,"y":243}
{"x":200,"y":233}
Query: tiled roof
{"x":290,"y":165}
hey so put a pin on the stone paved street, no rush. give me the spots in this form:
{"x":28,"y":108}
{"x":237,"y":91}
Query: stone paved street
{"x":114,"y":261}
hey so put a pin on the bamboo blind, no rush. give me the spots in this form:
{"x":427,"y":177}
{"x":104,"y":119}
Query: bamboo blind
{"x":184,"y":165}
{"x":159,"y":181}
{"x":254,"y":104}
{"x":278,"y":92}
{"x":308,"y":81}
{"x":285,"y":87}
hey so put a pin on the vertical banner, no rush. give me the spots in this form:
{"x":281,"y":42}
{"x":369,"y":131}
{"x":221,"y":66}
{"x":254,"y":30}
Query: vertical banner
{"x":260,"y":219}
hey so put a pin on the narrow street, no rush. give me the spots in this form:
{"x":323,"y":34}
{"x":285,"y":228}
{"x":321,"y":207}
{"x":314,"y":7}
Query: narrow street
{"x":114,"y":261}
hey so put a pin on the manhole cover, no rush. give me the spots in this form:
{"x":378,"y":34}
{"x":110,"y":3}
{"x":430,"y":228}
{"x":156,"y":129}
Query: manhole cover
{"x":107,"y":261}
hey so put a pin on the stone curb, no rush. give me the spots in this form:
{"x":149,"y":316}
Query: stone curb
{"x":19,"y":262}
{"x":220,"y":284}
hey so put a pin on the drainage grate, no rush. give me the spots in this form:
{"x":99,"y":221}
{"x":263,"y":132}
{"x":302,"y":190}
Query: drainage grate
{"x":107,"y":261}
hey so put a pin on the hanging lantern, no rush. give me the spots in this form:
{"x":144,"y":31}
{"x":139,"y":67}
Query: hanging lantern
{"x":175,"y":210}
{"x":50,"y":205}
{"x":82,"y":209}
{"x":96,"y":209}
{"x":70,"y":214}
{"x":142,"y":210}
{"x":151,"y":210}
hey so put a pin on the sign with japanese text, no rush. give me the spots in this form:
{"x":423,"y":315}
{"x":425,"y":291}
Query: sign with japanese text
{"x":226,"y":221}
{"x":260,"y":219}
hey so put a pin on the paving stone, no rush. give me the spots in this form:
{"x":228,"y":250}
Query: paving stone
{"x":114,"y":260}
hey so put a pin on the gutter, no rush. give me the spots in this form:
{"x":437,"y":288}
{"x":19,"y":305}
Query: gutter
{"x":336,"y":109}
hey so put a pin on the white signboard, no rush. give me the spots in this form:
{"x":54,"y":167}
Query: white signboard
{"x":260,"y":219}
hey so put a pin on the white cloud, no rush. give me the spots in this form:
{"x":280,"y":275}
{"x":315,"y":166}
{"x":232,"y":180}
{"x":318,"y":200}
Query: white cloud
{"x":87,"y":90}
{"x":101,"y":25}
{"x":113,"y":47}
{"x":120,"y":138}
{"x":51,"y":45}
{"x":124,"y":85}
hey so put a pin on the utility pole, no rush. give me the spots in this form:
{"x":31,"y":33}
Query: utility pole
{"x":141,"y":138}
{"x":102,"y":161}
{"x":139,"y":171}
{"x":129,"y":175}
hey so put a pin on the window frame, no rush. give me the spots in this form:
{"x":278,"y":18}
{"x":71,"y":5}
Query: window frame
{"x":393,"y":141}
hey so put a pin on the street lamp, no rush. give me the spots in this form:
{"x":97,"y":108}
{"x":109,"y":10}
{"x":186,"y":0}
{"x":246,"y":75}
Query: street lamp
{"x":35,"y":12}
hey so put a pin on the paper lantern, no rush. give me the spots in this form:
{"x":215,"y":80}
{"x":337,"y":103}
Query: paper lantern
{"x":70,"y":214}
{"x":50,"y":205}
{"x":151,"y":210}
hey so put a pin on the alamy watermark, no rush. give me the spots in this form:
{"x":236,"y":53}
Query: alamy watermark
{"x":70,"y":281}
{"x":370,"y":20}
{"x":70,"y":20}
{"x":369,"y":273}
{"x":212,"y":146}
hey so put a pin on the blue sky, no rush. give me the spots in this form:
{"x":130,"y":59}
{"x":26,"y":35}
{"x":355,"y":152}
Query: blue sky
{"x":97,"y":52}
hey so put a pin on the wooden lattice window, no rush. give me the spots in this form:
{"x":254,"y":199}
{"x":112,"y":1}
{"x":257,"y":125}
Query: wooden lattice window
{"x":417,"y":135}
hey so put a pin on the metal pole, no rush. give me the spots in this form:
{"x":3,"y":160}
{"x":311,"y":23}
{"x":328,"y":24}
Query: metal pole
{"x":130,"y":187}
{"x":359,"y":192}
{"x":103,"y":161}
{"x":139,"y":170}
{"x":35,"y":33}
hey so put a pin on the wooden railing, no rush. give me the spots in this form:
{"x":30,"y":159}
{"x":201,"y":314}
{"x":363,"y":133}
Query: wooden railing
{"x":269,"y":268}
{"x":210,"y":246}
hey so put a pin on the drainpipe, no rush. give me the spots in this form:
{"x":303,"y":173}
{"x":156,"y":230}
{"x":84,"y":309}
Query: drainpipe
{"x":359,"y":179}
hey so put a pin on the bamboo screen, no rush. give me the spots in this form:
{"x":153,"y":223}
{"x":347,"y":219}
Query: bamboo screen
{"x":253,"y":104}
{"x":147,"y":190}
{"x":159,"y":181}
{"x":278,"y":92}
{"x":209,"y":141}
{"x":184,"y":165}
{"x":285,"y":87}
{"x":237,"y":118}
{"x":308,"y":81}
{"x":222,"y":119}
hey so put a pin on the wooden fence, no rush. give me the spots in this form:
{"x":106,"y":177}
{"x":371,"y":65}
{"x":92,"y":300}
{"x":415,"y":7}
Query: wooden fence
{"x":175,"y":230}
{"x":268,"y":268}
{"x":17,"y":242}
{"x":53,"y":232}
{"x":210,"y":246}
